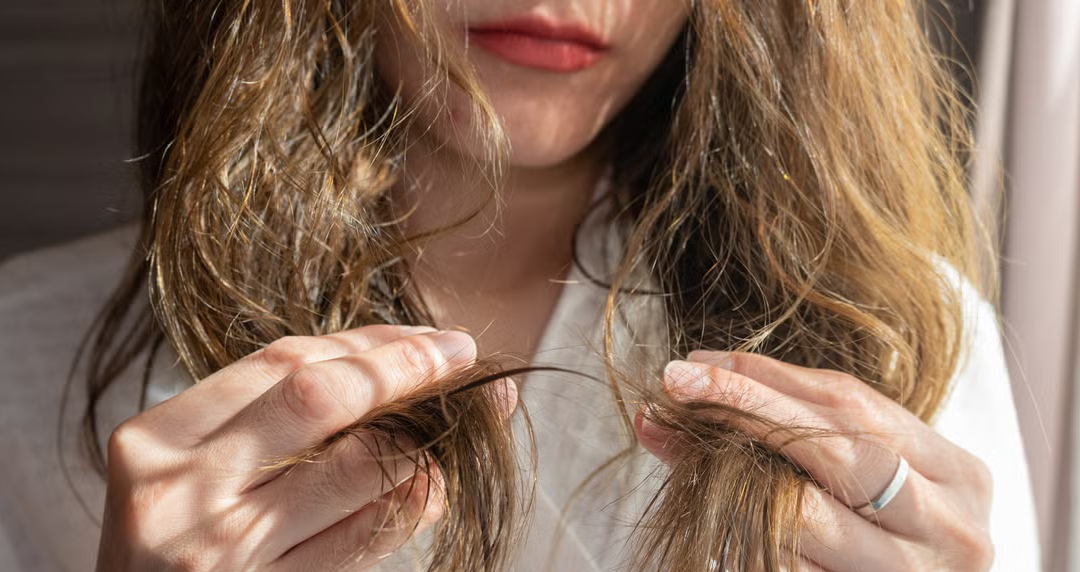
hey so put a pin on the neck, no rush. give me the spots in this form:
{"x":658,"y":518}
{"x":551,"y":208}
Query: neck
{"x":521,"y":236}
{"x":498,"y":275}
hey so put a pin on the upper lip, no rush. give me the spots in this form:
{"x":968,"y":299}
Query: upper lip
{"x":545,"y":28}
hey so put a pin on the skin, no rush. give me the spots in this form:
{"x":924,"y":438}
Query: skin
{"x":186,"y":489}
{"x":498,"y":276}
{"x":938,"y":521}
{"x":185,"y":485}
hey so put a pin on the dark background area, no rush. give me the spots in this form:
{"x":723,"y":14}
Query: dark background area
{"x":65,"y":119}
{"x":65,"y":99}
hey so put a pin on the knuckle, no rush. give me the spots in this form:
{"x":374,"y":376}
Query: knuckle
{"x":353,"y":456}
{"x":120,"y":441}
{"x":734,"y":386}
{"x":310,"y":393}
{"x":983,"y":556}
{"x":289,"y":353}
{"x":381,"y":331}
{"x":338,"y":463}
{"x":417,"y":354}
{"x":361,"y":339}
{"x":968,"y":468}
{"x":844,"y":392}
{"x":347,"y":458}
{"x":980,"y":478}
{"x":844,"y":466}
{"x":374,"y":330}
{"x":739,"y":362}
{"x":986,"y":555}
{"x":971,"y":546}
{"x":814,"y":504}
{"x":926,"y":502}
{"x":367,"y":337}
{"x":138,"y":512}
{"x":960,"y":542}
{"x":127,"y":445}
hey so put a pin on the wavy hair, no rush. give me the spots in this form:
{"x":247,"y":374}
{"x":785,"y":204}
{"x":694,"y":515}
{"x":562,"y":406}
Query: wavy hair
{"x":791,"y":178}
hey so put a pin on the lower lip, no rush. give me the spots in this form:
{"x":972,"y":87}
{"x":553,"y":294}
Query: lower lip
{"x":536,"y":52}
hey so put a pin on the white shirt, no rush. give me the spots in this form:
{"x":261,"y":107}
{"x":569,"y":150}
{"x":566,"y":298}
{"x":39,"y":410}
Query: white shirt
{"x":49,"y":298}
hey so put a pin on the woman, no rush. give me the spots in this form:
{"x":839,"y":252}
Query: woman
{"x":746,"y":217}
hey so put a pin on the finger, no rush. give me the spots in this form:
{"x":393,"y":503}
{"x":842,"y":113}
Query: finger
{"x":844,"y":394}
{"x":834,"y":527}
{"x":369,"y":535}
{"x":824,"y":387}
{"x":839,"y":540}
{"x":777,"y":372}
{"x":353,"y":472}
{"x":312,"y":496}
{"x":221,"y":395}
{"x":655,"y":439}
{"x":937,"y":458}
{"x":322,"y":398}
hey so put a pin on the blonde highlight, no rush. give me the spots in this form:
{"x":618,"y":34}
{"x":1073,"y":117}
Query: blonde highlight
{"x":796,"y":192}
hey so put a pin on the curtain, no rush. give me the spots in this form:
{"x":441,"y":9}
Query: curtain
{"x":1029,"y":100}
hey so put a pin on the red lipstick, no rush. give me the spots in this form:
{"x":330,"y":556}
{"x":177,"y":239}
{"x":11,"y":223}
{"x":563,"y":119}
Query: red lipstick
{"x":535,"y":42}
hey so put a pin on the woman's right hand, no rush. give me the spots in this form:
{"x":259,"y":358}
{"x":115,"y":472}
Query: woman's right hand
{"x":187,"y":485}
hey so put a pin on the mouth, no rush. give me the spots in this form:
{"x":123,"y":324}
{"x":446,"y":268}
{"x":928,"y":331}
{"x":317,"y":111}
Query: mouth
{"x":539,"y":43}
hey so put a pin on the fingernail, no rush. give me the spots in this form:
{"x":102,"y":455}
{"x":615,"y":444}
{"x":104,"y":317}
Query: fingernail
{"x":654,"y":438}
{"x":506,"y":395}
{"x":646,"y":426}
{"x":685,"y":378}
{"x":452,"y":343}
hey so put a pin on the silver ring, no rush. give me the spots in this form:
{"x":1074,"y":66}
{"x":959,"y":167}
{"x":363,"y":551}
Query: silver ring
{"x":890,"y":491}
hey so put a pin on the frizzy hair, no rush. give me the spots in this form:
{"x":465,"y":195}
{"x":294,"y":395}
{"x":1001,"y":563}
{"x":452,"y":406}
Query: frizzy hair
{"x":791,"y":178}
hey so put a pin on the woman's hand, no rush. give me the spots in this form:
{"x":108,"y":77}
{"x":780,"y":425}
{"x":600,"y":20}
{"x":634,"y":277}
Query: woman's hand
{"x":938,"y":521}
{"x":187,"y":488}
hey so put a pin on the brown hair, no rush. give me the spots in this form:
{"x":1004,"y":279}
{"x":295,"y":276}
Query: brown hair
{"x":790,"y":177}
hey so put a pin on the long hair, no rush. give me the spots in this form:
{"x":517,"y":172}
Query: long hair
{"x":791,"y":179}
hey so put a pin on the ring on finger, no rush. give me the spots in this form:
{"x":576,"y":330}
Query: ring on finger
{"x":870,"y":509}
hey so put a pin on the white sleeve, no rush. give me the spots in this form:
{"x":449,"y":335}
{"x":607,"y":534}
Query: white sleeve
{"x":980,"y":417}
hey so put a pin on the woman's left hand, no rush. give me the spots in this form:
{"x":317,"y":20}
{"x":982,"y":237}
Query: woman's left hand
{"x":938,"y":521}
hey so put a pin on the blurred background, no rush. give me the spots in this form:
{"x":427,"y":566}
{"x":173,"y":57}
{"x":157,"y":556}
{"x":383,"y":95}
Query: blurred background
{"x":66,"y":95}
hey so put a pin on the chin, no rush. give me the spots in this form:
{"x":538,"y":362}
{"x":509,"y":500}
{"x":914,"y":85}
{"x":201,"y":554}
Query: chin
{"x":527,"y":151}
{"x":545,"y":125}
{"x":541,"y":136}
{"x":529,"y":155}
